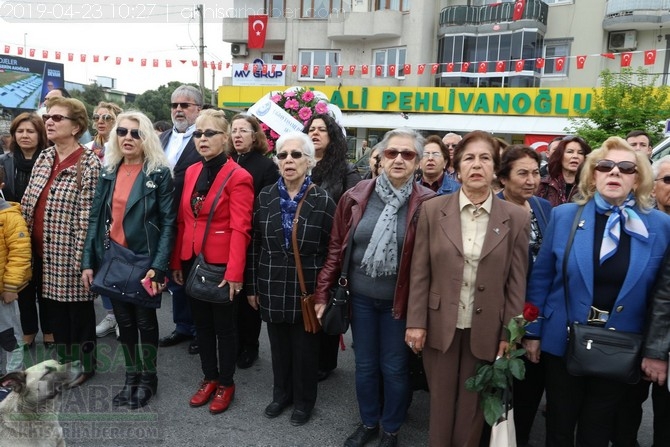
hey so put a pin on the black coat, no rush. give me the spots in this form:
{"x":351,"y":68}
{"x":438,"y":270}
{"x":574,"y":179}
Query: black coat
{"x":263,"y":170}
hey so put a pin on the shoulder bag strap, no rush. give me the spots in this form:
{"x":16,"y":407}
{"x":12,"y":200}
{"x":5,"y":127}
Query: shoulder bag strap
{"x":539,"y":207}
{"x":294,"y":239}
{"x":571,"y":238}
{"x":216,"y":199}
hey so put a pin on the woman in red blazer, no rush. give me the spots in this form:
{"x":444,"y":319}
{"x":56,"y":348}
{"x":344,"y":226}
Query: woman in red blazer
{"x":227,"y":239}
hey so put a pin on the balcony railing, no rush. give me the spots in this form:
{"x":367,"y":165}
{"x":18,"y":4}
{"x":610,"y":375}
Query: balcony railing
{"x":502,"y":12}
{"x":618,"y":8}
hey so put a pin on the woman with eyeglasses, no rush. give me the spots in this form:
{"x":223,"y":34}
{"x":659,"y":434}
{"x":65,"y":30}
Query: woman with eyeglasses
{"x":133,"y":206}
{"x":336,"y":175}
{"x":29,"y":138}
{"x":382,"y":214}
{"x":272,"y":283}
{"x":467,"y":279}
{"x":56,"y":206}
{"x":619,"y":243}
{"x":248,"y":147}
{"x":104,"y":119}
{"x":228,"y":237}
{"x":561,"y":185}
{"x":434,"y":163}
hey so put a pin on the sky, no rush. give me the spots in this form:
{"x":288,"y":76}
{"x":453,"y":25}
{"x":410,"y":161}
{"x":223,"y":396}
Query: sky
{"x":161,"y":30}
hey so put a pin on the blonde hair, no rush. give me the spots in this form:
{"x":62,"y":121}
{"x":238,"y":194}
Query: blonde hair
{"x":114,"y":110}
{"x":645,"y":183}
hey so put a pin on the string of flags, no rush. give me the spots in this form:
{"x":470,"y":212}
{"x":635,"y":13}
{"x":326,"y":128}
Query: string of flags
{"x":518,"y":65}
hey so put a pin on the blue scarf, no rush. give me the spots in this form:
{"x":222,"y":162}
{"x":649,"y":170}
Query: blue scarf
{"x":632,"y":224}
{"x":288,"y":206}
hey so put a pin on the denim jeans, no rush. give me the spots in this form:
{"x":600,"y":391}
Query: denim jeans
{"x":381,"y":357}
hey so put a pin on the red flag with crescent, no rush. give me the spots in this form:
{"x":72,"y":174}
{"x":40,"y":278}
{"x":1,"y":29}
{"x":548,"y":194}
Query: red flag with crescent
{"x":581,"y":60}
{"x":57,"y":55}
{"x":352,"y":70}
{"x":6,"y":49}
{"x":155,"y":63}
{"x":421,"y":69}
{"x":481,"y":68}
{"x":70,"y":57}
{"x":378,"y":70}
{"x":340,"y":70}
{"x":143,"y":62}
{"x":650,"y":57}
{"x":539,"y":63}
{"x":258,"y":25}
{"x":20,"y":51}
{"x":264,"y":69}
{"x":364,"y":69}
{"x":433,"y":68}
{"x":465,"y":66}
{"x":294,"y":68}
{"x":304,"y":70}
{"x":407,"y":69}
{"x":500,"y":66}
{"x":96,"y":58}
{"x":450,"y":67}
{"x":518,"y":65}
{"x":329,"y":70}
{"x":118,"y":61}
{"x":626,"y":58}
{"x":392,"y":70}
{"x":45,"y":54}
{"x":519,"y":6}
{"x":560,"y":63}
{"x":608,"y":55}
{"x":168,"y":63}
{"x":315,"y":70}
{"x":32,"y":52}
{"x":283,"y":67}
{"x":246,"y":66}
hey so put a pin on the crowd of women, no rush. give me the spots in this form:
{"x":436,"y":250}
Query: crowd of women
{"x":438,"y":262}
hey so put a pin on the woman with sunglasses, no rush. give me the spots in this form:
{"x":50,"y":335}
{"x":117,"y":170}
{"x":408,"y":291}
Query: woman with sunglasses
{"x":249,"y":147}
{"x":382,"y":214}
{"x":29,"y":138}
{"x":56,"y":206}
{"x":228,"y":237}
{"x":468,"y":278}
{"x":561,"y":185}
{"x":133,"y":206}
{"x":104,"y":119}
{"x":618,"y":247}
{"x":272,"y":283}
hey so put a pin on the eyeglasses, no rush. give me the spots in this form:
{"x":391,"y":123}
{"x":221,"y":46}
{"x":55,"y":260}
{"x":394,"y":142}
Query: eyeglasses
{"x":183,"y":105}
{"x":294,"y":155}
{"x":625,"y":167}
{"x":208,"y":133}
{"x":392,"y":154}
{"x":665,"y":179}
{"x":317,"y":129}
{"x":134,"y":133}
{"x":450,"y":145}
{"x":57,"y":118}
{"x":240,"y":131}
{"x":432,"y":155}
{"x":105,"y":117}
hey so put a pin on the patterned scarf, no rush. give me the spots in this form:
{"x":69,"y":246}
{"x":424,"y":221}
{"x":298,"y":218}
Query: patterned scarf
{"x":288,"y":206}
{"x":381,"y":256}
{"x":632,"y":224}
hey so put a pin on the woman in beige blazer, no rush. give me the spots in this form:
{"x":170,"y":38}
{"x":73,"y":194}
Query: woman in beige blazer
{"x":468,"y":278}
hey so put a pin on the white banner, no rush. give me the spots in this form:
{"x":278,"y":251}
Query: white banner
{"x":274,"y":116}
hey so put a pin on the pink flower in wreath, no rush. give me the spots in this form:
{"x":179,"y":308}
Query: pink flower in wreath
{"x":305,"y":113}
{"x":307,"y":96}
{"x":291,"y":104}
{"x":276,"y":98}
{"x":289,"y":94}
{"x":321,"y":108}
{"x":274,"y":134}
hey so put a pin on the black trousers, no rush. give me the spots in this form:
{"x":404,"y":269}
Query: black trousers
{"x":629,"y":414}
{"x":29,"y":298}
{"x":328,"y":351}
{"x":527,"y":397}
{"x":74,"y":332}
{"x":588,"y":404}
{"x":248,"y":324}
{"x":137,"y":323}
{"x":295,"y":356}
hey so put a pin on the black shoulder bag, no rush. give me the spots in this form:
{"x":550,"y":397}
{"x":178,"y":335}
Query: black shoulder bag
{"x":596,"y":350}
{"x":337,"y":315}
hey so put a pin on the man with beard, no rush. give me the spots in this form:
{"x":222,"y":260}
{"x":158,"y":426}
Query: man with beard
{"x":178,"y":144}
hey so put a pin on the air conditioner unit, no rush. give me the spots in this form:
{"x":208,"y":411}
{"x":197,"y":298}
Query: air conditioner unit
{"x":623,"y":40}
{"x":239,"y":49}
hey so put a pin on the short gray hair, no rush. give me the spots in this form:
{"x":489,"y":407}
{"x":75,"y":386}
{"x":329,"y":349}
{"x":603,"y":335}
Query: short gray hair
{"x":403,"y":132}
{"x":305,"y":144}
{"x":188,"y":91}
{"x":656,"y":166}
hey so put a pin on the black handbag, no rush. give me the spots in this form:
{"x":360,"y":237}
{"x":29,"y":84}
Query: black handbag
{"x":120,"y":275}
{"x":203,"y":279}
{"x":595,"y":350}
{"x":337,"y":315}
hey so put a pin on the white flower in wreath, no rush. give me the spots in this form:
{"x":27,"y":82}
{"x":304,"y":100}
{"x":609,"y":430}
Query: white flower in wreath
{"x":150,"y":184}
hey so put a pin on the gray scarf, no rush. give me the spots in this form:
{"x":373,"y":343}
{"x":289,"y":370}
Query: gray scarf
{"x":381,"y":256}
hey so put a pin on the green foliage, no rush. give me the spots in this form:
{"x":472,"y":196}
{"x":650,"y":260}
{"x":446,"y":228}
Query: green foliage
{"x":627,"y":101}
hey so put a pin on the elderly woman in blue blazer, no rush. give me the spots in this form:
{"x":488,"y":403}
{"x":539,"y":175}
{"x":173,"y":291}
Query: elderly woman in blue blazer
{"x":618,"y":247}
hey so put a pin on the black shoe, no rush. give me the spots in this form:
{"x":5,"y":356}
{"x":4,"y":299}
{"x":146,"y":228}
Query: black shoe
{"x":300,"y":417}
{"x":361,"y":436}
{"x":193,"y":347}
{"x":388,"y":440}
{"x":145,"y":390}
{"x":129,"y":388}
{"x":275,"y":409}
{"x":247,"y":358}
{"x":173,"y":339}
{"x":81,"y":379}
{"x":322,"y":374}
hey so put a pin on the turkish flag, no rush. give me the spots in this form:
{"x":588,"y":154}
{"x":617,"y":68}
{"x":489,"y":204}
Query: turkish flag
{"x":433,"y":68}
{"x":315,"y":70}
{"x":539,"y":63}
{"x":626,"y":58}
{"x":264,"y":69}
{"x":518,"y":65}
{"x":340,"y":70}
{"x":6,"y":49}
{"x":519,"y":7}
{"x":465,"y":66}
{"x":32,"y":52}
{"x":482,"y":67}
{"x":168,"y":63}
{"x":352,"y":70}
{"x":219,"y":66}
{"x":155,"y":63}
{"x":57,"y":55}
{"x":273,"y":67}
{"x":650,"y":57}
{"x":227,"y":65}
{"x":143,"y":62}
{"x":246,"y":66}
{"x":45,"y":54}
{"x":581,"y":60}
{"x":212,"y":65}
{"x":257,"y":29}
{"x":283,"y":67}
{"x":450,"y":67}
{"x":70,"y":57}
{"x":378,"y":70}
{"x":328,"y":70}
{"x":118,"y":61}
{"x":194,"y":63}
{"x":294,"y":68}
{"x":500,"y":66}
{"x":82,"y":58}
{"x":364,"y":69}
{"x":608,"y":55}
{"x":20,"y":51}
{"x":422,"y":67}
{"x":407,"y":69}
{"x":304,"y":70}
{"x":560,"y":63}
{"x":96,"y":58}
{"x":392,"y":70}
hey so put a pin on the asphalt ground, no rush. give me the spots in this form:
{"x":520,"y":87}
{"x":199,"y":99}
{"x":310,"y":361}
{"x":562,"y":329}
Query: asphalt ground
{"x":88,"y":418}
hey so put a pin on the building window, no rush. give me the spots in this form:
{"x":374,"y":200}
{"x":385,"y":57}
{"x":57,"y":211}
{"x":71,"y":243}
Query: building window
{"x":394,"y":5}
{"x":318,"y":58}
{"x":323,"y":9}
{"x":554,"y":50}
{"x":275,"y":8}
{"x":557,"y":2}
{"x":387,"y":57}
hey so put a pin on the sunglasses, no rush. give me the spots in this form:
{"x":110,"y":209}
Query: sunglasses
{"x":183,"y":105}
{"x":625,"y":167}
{"x":105,"y":117}
{"x":665,"y":179}
{"x":571,"y":138}
{"x":134,"y":133}
{"x":392,"y":154}
{"x":57,"y":118}
{"x":294,"y":155}
{"x":208,"y":133}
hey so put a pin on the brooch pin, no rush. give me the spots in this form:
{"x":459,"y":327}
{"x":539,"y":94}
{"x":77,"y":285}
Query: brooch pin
{"x":150,"y":184}
{"x":496,"y":231}
{"x":581,"y":223}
